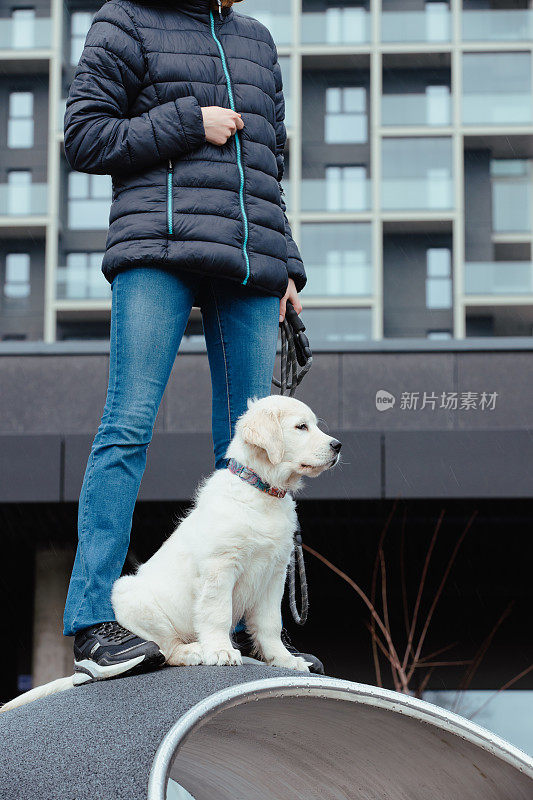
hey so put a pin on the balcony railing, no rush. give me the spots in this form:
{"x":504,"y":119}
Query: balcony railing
{"x":353,"y":279}
{"x":415,"y":109}
{"x":417,"y":194}
{"x":82,"y":284}
{"x":335,"y":325}
{"x":335,"y":196}
{"x":277,"y":17}
{"x":511,"y":205}
{"x":498,"y":277}
{"x":498,"y":25}
{"x":336,"y":26}
{"x":23,"y":200}
{"x":33,"y":34}
{"x":509,"y":108}
{"x":432,"y":25}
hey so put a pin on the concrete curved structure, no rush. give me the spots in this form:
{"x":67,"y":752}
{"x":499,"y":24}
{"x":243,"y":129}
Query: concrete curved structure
{"x":296,"y":738}
{"x":250,"y":732}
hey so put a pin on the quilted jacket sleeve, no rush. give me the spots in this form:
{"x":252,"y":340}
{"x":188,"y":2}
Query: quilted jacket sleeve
{"x":100,"y":137}
{"x":295,"y":266}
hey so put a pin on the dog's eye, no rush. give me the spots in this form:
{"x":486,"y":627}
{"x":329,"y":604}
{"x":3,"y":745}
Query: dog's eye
{"x":302,"y":427}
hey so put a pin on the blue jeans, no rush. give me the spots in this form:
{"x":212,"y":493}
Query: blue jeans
{"x":150,"y":309}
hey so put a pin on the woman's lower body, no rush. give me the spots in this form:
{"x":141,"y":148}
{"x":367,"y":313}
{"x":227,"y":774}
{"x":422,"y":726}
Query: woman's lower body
{"x":150,"y":309}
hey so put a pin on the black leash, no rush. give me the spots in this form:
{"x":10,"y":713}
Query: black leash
{"x":297,"y":555}
{"x":295,"y":350}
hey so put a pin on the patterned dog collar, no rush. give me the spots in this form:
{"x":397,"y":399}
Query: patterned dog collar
{"x":251,"y":477}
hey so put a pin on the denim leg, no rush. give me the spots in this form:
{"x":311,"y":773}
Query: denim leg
{"x":241,"y":331}
{"x":150,"y":309}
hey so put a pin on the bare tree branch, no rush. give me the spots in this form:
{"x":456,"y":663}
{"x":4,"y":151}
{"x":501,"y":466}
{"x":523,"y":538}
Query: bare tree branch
{"x":405,"y":604}
{"x":439,"y":592}
{"x":364,"y":598}
{"x":375,"y":656}
{"x":409,"y":647}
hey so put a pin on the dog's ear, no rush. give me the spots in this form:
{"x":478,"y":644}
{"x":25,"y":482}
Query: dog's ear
{"x":262,"y":428}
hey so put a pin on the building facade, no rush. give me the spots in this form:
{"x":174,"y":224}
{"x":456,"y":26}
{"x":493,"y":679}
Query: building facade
{"x":408,"y":175}
{"x":408,"y":182}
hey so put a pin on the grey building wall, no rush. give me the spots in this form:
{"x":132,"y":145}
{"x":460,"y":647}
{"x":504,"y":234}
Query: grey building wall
{"x":478,"y":206}
{"x":425,"y":450}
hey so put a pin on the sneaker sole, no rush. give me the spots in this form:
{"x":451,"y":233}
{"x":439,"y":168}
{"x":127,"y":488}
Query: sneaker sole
{"x":87,"y":670}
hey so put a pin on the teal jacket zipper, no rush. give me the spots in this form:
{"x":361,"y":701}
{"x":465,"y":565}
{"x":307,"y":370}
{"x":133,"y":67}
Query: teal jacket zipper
{"x":237,"y":147}
{"x":170,"y":173}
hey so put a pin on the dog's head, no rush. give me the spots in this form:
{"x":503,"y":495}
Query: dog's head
{"x":279,"y":438}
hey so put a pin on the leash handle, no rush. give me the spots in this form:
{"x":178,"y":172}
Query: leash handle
{"x":301,"y":342}
{"x":295,"y":350}
{"x":293,"y":319}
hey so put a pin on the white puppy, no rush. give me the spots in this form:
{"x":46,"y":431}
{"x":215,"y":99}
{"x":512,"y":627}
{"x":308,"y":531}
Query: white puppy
{"x":228,"y":557}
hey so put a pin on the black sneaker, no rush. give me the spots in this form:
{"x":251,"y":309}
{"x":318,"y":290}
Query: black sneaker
{"x":243,"y":642}
{"x":107,"y":650}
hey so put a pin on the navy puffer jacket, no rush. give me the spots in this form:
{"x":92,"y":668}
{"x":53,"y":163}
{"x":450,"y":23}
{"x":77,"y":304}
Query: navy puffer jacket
{"x":134,"y":112}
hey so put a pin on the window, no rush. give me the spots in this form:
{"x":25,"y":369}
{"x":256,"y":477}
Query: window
{"x":20,"y":122}
{"x":438,"y":105}
{"x":80,"y":24}
{"x":17,"y":277}
{"x":417,"y":173}
{"x":19,"y":192}
{"x":338,"y":258}
{"x":23,"y":30}
{"x":89,"y":199}
{"x":346,"y":117}
{"x":511,"y":180}
{"x":335,"y":325}
{"x":82,"y":277}
{"x":439,"y":335}
{"x":438,"y":278}
{"x":497,"y":88}
{"x":436,"y":21}
{"x":345,"y":25}
{"x":346,"y":189}
{"x":335,"y":25}
{"x":275,"y":14}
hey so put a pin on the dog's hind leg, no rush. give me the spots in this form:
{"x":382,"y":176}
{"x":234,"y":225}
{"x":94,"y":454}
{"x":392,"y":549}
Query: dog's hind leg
{"x":185,"y":655}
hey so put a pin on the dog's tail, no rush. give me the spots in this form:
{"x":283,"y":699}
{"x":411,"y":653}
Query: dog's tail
{"x":60,"y":685}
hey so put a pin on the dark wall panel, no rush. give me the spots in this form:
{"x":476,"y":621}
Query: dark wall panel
{"x":30,"y":469}
{"x":453,"y":464}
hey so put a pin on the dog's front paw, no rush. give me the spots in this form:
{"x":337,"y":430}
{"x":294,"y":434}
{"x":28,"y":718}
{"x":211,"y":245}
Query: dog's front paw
{"x":221,"y":658}
{"x":186,"y":655}
{"x":290,"y":662}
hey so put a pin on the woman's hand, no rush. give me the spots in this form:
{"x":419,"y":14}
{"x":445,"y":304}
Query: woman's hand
{"x":292,"y":295}
{"x":220,"y":123}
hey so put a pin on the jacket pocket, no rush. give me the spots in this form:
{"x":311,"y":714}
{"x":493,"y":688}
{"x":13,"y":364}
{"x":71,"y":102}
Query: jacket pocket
{"x":170,"y":198}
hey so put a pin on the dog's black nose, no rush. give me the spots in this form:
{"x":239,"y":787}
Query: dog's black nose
{"x":335,"y":445}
